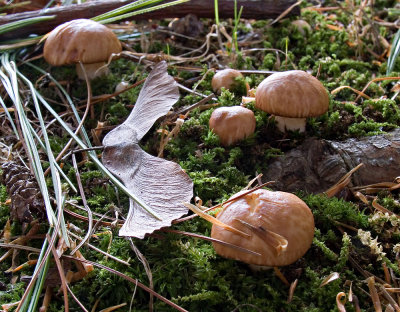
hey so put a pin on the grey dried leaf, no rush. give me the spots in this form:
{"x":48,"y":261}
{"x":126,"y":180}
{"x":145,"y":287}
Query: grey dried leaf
{"x":159,"y":93}
{"x":160,"y":184}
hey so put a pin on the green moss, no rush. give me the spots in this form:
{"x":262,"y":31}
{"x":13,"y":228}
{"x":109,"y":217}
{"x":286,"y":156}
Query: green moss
{"x":328,"y":210}
{"x":344,"y":252}
{"x":367,"y":128}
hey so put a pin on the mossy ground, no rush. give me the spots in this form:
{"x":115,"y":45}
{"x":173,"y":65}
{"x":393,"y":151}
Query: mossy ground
{"x":187,"y":270}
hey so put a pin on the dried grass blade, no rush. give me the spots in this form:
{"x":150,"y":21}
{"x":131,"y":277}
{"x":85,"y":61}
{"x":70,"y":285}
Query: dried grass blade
{"x":130,"y":279}
{"x":109,"y":309}
{"x":61,"y":274}
{"x":342,"y":182}
{"x":340,"y":301}
{"x":286,"y":12}
{"x":390,"y":299}
{"x":275,"y":240}
{"x":352,"y":89}
{"x":330,"y":278}
{"x":215,"y":221}
{"x":213,"y":240}
{"x":292,"y":288}
{"x":379,"y":207}
{"x":374,"y":294}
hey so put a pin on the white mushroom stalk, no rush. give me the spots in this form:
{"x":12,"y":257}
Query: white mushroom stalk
{"x":285,"y":124}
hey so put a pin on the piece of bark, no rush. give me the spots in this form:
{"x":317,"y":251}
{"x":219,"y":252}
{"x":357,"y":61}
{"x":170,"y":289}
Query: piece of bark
{"x":254,"y":9}
{"x":316,"y":165}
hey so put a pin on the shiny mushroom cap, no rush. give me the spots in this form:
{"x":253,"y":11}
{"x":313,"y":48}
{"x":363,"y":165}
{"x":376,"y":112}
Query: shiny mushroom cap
{"x":226,"y":78}
{"x":294,"y":94}
{"x":232,"y":124}
{"x":80,"y":40}
{"x":280,"y":227}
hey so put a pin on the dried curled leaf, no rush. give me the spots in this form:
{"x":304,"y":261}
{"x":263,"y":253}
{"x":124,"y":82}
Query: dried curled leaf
{"x":160,"y":184}
{"x":156,"y":98}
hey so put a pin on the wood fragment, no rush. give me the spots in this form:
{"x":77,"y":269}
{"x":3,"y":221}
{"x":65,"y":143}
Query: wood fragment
{"x":317,"y":164}
{"x":254,"y":9}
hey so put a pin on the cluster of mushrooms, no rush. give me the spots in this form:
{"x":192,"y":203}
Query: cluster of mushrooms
{"x":290,"y":96}
{"x":276,"y":227}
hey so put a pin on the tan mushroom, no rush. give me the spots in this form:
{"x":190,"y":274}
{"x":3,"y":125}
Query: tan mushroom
{"x":292,"y":96}
{"x":227,"y":78}
{"x":301,"y":26}
{"x":232,"y":124}
{"x":280,"y":228}
{"x":81,"y":40}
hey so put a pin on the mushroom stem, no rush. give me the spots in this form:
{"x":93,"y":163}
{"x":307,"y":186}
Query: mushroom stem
{"x":93,"y":70}
{"x":292,"y":124}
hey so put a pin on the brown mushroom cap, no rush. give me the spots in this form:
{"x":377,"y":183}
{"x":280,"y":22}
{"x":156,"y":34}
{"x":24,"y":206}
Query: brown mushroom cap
{"x":272,"y":219}
{"x":225,"y":79}
{"x":80,"y":40}
{"x":294,"y":94}
{"x":232,"y":124}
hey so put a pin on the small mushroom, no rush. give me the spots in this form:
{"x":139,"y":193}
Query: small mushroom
{"x":292,"y":96}
{"x":122,"y":86}
{"x":232,"y":124}
{"x":279,"y":224}
{"x":301,"y":26}
{"x":228,"y":79}
{"x":81,"y":40}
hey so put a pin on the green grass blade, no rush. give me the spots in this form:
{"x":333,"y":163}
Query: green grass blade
{"x":24,"y":305}
{"x":23,"y":23}
{"x":394,"y":53}
{"x":54,"y":172}
{"x":142,"y":11}
{"x":124,"y":9}
{"x":29,"y":140}
{"x":9,"y":118}
{"x":92,"y":154}
{"x":216,"y":12}
{"x":95,"y":159}
{"x":67,"y":97}
{"x":56,"y":164}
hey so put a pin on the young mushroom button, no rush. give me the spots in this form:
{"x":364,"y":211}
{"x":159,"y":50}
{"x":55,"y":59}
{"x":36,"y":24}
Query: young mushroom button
{"x":280,"y":228}
{"x":232,"y":124}
{"x":292,"y":96}
{"x":81,"y":40}
{"x":228,"y":79}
